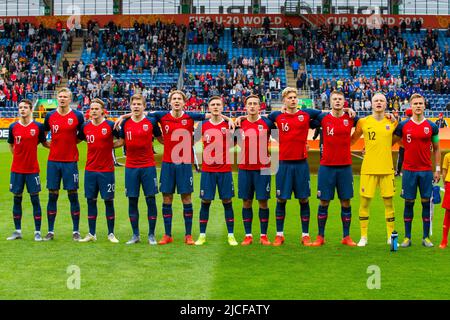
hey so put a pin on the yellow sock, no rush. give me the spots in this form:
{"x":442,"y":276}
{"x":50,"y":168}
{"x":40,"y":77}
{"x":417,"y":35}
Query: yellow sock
{"x":389,"y":214}
{"x":364,"y":215}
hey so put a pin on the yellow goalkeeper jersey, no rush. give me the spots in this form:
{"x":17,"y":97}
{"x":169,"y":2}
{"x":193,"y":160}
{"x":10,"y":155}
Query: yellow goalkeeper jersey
{"x":378,"y":145}
{"x":446,"y":165}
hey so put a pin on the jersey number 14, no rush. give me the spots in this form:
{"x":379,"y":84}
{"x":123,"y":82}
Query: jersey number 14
{"x":330,"y":131}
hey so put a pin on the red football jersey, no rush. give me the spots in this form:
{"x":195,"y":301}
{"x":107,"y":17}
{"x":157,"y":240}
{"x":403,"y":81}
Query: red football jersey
{"x":336,"y":133}
{"x":100,"y":141}
{"x":64,"y":131}
{"x":293,"y":132}
{"x":254,"y":142}
{"x":416,"y":138}
{"x":177,"y":133}
{"x":25,"y":140}
{"x":217,"y":141}
{"x":138,"y":138}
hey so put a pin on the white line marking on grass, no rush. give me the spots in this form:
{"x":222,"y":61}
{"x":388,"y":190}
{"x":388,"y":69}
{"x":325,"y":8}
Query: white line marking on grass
{"x":357,"y":156}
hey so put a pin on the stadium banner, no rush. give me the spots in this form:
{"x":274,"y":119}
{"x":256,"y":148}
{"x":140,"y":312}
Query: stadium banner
{"x":5,"y":122}
{"x":4,"y":134}
{"x":47,"y":104}
{"x":305,"y":103}
{"x":243,"y":20}
{"x":4,"y":126}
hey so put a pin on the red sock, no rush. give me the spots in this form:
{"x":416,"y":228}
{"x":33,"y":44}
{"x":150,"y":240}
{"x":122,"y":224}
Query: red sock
{"x":446,"y":226}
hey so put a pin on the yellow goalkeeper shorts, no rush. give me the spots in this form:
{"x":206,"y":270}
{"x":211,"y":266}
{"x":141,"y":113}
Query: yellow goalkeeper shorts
{"x":370,"y":182}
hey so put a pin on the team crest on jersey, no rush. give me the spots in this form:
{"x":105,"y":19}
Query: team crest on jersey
{"x":104,"y":131}
{"x":32,"y":132}
{"x":145,"y":127}
{"x":70,"y":121}
{"x":184,"y":122}
{"x":224,"y":130}
{"x":426,"y":130}
{"x":260,"y":127}
{"x":346,"y":122}
{"x":301,"y":117}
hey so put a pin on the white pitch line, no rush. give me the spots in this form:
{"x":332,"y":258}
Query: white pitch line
{"x":355,"y":155}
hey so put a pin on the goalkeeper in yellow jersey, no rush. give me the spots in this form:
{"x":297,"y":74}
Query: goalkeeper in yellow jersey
{"x":446,"y":202}
{"x":377,"y":168}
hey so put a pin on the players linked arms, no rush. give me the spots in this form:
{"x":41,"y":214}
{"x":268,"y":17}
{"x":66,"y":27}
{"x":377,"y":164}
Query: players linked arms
{"x":46,"y":144}
{"x":160,"y":139}
{"x":118,"y":143}
{"x":356,"y":134}
{"x":397,"y":139}
{"x":123,"y":117}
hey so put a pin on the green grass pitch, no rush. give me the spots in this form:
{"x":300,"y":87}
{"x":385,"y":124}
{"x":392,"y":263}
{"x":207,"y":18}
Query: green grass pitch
{"x":32,"y":270}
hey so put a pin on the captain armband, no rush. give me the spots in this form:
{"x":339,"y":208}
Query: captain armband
{"x":435,"y":138}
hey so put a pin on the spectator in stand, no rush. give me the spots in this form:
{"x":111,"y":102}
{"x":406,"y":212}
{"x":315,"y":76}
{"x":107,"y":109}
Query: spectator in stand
{"x":295,"y":66}
{"x":27,"y":59}
{"x":441,"y":122}
{"x":397,"y":91}
{"x":357,"y":105}
{"x":242,"y":76}
{"x":367,"y":105}
{"x":356,"y":46}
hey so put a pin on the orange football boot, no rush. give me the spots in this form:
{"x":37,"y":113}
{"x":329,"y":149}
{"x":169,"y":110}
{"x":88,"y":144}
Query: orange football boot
{"x":247,"y":241}
{"x":165,"y":239}
{"x":264,"y":241}
{"x":320,"y":241}
{"x":306,"y":241}
{"x":188,"y":240}
{"x":348,"y":241}
{"x":279,"y":240}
